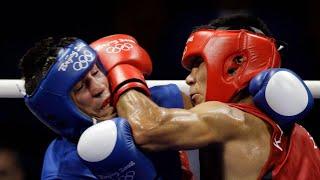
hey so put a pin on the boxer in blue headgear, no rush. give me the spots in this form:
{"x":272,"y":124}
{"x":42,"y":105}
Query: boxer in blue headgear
{"x":67,"y":91}
{"x":51,"y":101}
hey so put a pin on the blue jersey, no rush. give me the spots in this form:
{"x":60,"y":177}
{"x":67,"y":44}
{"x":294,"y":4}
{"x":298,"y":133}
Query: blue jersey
{"x":61,"y":160}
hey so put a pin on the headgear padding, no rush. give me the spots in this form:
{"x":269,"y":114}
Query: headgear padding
{"x":51,"y":102}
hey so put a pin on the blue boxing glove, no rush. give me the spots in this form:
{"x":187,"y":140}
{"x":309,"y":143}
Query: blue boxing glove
{"x":282,"y":95}
{"x":108,"y":150}
{"x":168,"y":96}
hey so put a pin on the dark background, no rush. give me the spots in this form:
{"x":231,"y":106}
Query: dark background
{"x":161,"y":27}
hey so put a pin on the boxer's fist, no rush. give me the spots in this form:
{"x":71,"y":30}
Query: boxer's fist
{"x":281,"y":94}
{"x":108,"y":150}
{"x":125,"y":63}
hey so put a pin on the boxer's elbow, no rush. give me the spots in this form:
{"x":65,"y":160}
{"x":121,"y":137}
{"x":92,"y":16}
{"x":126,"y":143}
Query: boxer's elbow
{"x":146,"y":141}
{"x":149,"y":134}
{"x":139,"y":138}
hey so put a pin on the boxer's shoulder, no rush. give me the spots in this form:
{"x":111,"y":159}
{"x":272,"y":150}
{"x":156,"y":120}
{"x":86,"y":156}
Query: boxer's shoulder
{"x":62,"y":161}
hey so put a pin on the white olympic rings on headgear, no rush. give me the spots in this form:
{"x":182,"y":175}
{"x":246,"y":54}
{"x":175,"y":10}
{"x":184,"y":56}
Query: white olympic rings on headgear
{"x":83,"y":60}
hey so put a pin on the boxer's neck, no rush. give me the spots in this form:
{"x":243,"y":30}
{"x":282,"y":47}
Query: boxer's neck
{"x":246,"y":100}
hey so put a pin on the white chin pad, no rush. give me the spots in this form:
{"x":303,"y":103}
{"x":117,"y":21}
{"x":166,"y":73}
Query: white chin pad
{"x":98,"y":141}
{"x":286,"y":94}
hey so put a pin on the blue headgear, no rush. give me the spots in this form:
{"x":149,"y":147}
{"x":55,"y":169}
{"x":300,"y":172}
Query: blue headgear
{"x":51,"y":102}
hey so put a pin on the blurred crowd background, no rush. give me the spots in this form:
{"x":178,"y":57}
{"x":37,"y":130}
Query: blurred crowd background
{"x":160,"y":26}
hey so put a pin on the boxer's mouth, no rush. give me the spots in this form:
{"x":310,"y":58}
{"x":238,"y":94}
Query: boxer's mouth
{"x":193,"y":95}
{"x":194,"y":98}
{"x":106,"y":103}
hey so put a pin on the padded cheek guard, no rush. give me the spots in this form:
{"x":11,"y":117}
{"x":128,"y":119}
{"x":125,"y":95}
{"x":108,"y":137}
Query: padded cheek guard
{"x":51,"y":102}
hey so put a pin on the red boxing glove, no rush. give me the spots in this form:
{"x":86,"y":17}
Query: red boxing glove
{"x":125,"y":63}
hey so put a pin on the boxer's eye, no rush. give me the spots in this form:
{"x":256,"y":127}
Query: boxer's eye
{"x":196,"y":61}
{"x":78,"y":87}
{"x":94,"y":72}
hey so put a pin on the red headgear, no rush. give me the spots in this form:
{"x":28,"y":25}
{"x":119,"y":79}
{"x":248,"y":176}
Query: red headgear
{"x":232,"y":57}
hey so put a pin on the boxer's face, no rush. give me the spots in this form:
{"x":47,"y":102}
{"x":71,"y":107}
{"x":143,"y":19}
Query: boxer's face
{"x":91,"y":93}
{"x":197,"y":80}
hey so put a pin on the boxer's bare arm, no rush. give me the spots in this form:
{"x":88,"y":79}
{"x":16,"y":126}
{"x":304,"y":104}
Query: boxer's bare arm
{"x":156,"y":128}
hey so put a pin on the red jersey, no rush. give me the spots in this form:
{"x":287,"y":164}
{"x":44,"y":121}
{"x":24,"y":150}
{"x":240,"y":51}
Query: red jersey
{"x":292,"y":156}
{"x":185,"y":167}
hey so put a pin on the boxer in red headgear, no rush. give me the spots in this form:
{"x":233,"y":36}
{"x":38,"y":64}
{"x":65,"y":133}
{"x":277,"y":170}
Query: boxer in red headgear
{"x":236,"y":139}
{"x":232,"y":58}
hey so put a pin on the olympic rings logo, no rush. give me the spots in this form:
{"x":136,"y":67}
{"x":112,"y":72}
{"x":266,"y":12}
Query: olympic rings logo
{"x":118,"y":47}
{"x":83,"y":60}
{"x":128,"y":176}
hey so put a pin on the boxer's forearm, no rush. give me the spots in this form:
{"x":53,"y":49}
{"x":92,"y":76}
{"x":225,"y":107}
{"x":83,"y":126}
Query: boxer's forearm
{"x":145,"y":118}
{"x":155,"y":128}
{"x":141,"y":113}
